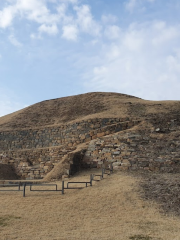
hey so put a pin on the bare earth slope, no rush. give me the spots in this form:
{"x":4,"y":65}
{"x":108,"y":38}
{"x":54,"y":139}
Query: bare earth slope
{"x":85,"y":106}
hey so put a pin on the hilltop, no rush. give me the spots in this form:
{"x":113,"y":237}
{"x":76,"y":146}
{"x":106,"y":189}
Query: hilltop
{"x":85,"y":106}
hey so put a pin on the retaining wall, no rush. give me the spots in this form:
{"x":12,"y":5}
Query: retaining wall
{"x":69,"y":135}
{"x":34,"y":163}
{"x":132,"y":151}
{"x":35,"y":152}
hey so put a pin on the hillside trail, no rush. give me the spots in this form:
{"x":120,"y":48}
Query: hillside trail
{"x":111,"y":209}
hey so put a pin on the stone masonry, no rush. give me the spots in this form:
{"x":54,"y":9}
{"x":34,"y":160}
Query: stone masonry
{"x":35,"y":152}
{"x":141,"y":150}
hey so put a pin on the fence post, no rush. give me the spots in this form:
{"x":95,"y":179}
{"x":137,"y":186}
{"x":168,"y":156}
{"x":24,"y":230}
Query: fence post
{"x":91,"y":180}
{"x":19,"y":187}
{"x":62,"y":187}
{"x":102,"y":172}
{"x":112,"y":167}
{"x":24,"y":189}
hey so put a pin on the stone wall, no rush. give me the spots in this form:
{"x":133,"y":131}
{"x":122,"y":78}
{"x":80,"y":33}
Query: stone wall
{"x":35,"y":152}
{"x":132,"y":151}
{"x":70,"y":135}
{"x":34,"y":163}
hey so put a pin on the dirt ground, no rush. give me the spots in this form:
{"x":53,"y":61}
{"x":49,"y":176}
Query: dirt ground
{"x":111,"y":209}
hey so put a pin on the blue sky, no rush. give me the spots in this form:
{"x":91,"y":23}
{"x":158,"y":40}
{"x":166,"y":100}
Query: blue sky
{"x":56,"y":48}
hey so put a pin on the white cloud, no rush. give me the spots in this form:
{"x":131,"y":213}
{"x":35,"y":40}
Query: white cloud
{"x":70,"y":32}
{"x":32,"y":10}
{"x":164,"y":33}
{"x":36,"y":11}
{"x":109,"y":19}
{"x":72,"y":20}
{"x":51,"y":30}
{"x":86,"y":22}
{"x":173,"y":63}
{"x":112,"y":32}
{"x":6,"y":16}
{"x":69,"y":1}
{"x":130,"y":5}
{"x":113,"y":53}
{"x":14,"y":41}
{"x":133,"y":40}
{"x":134,"y":65}
{"x":35,"y":36}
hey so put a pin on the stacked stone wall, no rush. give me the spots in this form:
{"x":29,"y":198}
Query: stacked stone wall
{"x":34,"y":163}
{"x":35,"y":152}
{"x":61,"y":135}
{"x":152,"y":152}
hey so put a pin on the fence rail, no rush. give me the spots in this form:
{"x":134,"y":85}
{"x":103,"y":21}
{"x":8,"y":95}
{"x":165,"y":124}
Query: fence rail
{"x":90,"y":182}
{"x":30,"y":185}
{"x":24,"y":185}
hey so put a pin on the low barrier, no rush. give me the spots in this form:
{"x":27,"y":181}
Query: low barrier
{"x":30,"y":185}
{"x":90,"y":182}
{"x":103,"y":172}
{"x":25,"y":184}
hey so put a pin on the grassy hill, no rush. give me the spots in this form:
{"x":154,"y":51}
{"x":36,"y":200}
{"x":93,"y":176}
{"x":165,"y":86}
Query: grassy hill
{"x":84,"y":106}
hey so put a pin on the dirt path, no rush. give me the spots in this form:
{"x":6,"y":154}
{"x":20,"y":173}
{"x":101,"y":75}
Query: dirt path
{"x":112,"y":209}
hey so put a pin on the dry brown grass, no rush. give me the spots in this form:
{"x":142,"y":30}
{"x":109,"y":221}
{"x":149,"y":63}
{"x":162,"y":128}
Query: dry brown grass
{"x":111,"y":209}
{"x":82,"y":107}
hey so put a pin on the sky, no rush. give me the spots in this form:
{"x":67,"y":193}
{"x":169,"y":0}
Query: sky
{"x":56,"y":48}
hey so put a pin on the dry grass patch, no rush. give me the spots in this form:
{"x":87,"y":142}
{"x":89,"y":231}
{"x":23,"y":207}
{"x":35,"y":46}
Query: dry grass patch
{"x":110,"y":210}
{"x":5,"y":220}
{"x":164,"y":188}
{"x":140,"y":237}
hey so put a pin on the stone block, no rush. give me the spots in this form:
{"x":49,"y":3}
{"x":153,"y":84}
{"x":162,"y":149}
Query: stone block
{"x":125,"y":163}
{"x":107,"y":132}
{"x":94,"y":137}
{"x":65,"y":176}
{"x":116,"y":153}
{"x":101,"y":134}
{"x":88,"y":139}
{"x":11,"y":161}
{"x":116,"y":164}
{"x":107,"y":154}
{"x":24,"y":164}
{"x":123,"y":168}
{"x":82,"y":137}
